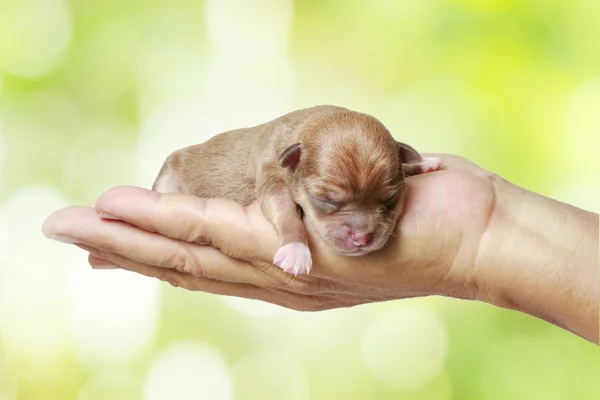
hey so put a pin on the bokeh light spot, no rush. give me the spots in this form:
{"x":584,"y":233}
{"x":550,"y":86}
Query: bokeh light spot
{"x":250,"y":72}
{"x":171,"y":125}
{"x":270,"y":375}
{"x":257,"y":89}
{"x":487,"y":6}
{"x":100,"y":157}
{"x":8,"y":378}
{"x":104,"y":65}
{"x":583,"y":124}
{"x":38,"y":126}
{"x":250,"y":29}
{"x":317,"y":332}
{"x":436,"y":118}
{"x":34,"y":283}
{"x":113,"y":316}
{"x":114,"y":384}
{"x":189,"y":370}
{"x":551,"y":380}
{"x":405,"y":348}
{"x":255,"y":308}
{"x":43,"y":29}
{"x":2,"y":153}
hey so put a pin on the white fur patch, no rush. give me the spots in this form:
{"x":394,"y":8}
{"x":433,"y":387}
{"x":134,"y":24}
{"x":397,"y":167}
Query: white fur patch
{"x":294,"y":258}
{"x":430,"y":164}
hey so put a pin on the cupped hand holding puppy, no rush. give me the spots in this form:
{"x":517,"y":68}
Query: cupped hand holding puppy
{"x":464,"y":233}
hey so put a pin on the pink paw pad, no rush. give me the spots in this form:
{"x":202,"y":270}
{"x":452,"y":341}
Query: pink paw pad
{"x":430,"y":164}
{"x":293,"y":258}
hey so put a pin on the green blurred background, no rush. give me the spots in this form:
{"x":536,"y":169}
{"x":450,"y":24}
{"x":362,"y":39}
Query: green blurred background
{"x":96,"y":93}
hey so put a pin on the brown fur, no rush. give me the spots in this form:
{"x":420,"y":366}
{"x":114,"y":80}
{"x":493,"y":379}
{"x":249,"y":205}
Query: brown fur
{"x":346,"y":156}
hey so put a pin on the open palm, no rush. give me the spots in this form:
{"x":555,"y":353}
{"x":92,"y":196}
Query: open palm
{"x":221,"y":247}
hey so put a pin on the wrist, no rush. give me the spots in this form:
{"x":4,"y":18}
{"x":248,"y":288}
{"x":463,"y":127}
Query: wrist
{"x":540,"y":256}
{"x":494,"y":263}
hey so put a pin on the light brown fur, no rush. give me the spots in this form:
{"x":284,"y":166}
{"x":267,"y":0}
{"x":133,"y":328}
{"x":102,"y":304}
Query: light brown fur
{"x":347,"y":157}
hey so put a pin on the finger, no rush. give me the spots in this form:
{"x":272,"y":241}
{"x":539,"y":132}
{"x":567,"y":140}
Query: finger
{"x":99,"y":259}
{"x":82,"y":225}
{"x":273,"y":278}
{"x":189,"y":282}
{"x":100,"y":263}
{"x":238,"y":231}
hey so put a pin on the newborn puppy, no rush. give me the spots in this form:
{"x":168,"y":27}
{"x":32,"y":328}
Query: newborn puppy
{"x":340,"y":170}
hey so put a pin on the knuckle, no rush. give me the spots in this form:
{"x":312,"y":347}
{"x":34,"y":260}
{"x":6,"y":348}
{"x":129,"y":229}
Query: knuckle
{"x":176,"y":261}
{"x":196,"y":212}
{"x":171,"y":278}
{"x":183,"y":261}
{"x":173,"y":282}
{"x":178,"y":280}
{"x":187,"y":211}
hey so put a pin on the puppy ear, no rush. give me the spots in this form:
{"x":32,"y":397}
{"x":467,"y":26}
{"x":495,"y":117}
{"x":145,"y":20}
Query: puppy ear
{"x":290,"y":157}
{"x":407,"y":154}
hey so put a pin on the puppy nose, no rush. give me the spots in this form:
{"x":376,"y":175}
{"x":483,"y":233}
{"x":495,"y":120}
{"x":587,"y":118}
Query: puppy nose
{"x":361,"y":239}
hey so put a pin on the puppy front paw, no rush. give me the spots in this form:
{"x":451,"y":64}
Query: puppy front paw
{"x":294,"y":258}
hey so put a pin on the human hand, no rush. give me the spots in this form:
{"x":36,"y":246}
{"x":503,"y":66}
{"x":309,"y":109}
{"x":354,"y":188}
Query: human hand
{"x":221,"y":247}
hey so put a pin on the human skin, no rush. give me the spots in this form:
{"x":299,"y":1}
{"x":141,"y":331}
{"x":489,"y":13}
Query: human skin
{"x":464,"y":233}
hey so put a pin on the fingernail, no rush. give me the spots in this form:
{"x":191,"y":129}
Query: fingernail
{"x":107,"y":216}
{"x":63,"y":239}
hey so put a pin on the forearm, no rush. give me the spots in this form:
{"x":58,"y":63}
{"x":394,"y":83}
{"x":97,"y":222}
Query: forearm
{"x":540,"y":256}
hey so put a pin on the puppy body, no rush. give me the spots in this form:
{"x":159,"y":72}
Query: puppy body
{"x":343,"y":168}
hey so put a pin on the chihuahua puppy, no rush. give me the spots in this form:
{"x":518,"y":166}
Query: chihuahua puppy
{"x":338,"y":170}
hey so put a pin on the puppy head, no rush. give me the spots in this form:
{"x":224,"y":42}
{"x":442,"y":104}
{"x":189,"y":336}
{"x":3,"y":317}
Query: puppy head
{"x":346,"y":175}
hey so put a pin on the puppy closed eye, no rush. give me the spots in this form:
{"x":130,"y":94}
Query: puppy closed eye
{"x":324,"y":204}
{"x":391,"y":203}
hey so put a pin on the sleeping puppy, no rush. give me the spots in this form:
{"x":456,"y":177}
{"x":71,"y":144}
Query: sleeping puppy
{"x":337,"y":169}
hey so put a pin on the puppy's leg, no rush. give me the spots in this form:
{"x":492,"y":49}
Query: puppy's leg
{"x":427,"y":164}
{"x":280,"y":209}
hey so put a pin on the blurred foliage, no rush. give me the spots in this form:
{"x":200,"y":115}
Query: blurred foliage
{"x":96,"y":93}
